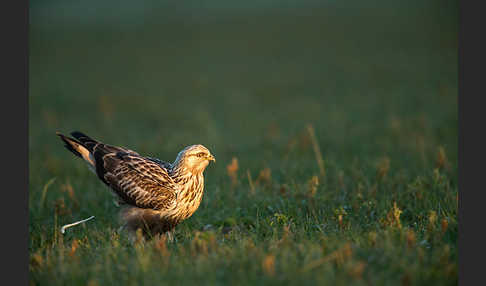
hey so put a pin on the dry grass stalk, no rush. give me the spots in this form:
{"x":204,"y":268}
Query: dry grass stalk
{"x":161,"y":246}
{"x":69,"y":189}
{"x":432,"y":221}
{"x":442,"y":161}
{"x":139,"y":239}
{"x":444,"y":224}
{"x":420,"y":141}
{"x":372,"y":236}
{"x":383,"y":168}
{"x":373,"y":190}
{"x":395,"y":124}
{"x":393,"y":216}
{"x":341,"y":180}
{"x":60,"y":207}
{"x":357,"y":270}
{"x":105,"y":106}
{"x":286,"y":236}
{"x":313,"y":183}
{"x":273,"y":131}
{"x":74,"y":247}
{"x":340,"y":220}
{"x":444,"y":256}
{"x":199,"y":245}
{"x":264,"y":177}
{"x":44,"y":192}
{"x":50,"y":118}
{"x":317,"y":151}
{"x":232,"y":170}
{"x":93,"y":282}
{"x":406,"y":280}
{"x":411,"y":239}
{"x":283,"y":190}
{"x":339,"y":255}
{"x":396,"y":214}
{"x":340,"y":213}
{"x":290,"y":147}
{"x":36,"y":260}
{"x":250,"y":182}
{"x":268,"y":265}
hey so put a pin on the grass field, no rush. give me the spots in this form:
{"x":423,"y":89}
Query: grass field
{"x":343,"y":123}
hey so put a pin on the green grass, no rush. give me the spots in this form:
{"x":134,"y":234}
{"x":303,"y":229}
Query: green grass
{"x":378,"y":86}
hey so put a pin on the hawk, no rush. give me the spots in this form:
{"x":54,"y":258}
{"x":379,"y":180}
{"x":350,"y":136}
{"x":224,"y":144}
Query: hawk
{"x":154,"y":195}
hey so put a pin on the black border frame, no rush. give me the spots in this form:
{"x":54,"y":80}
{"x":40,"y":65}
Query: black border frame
{"x":470,"y":154}
{"x":15,"y":134}
{"x":14,"y":210}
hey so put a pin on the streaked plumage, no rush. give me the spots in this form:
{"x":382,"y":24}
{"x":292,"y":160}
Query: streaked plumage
{"x":154,"y":195}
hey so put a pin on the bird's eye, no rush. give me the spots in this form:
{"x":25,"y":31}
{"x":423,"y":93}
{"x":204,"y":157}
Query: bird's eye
{"x":200,"y":154}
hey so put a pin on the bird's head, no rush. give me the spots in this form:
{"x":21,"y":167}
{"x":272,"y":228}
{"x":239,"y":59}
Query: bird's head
{"x":194,"y":158}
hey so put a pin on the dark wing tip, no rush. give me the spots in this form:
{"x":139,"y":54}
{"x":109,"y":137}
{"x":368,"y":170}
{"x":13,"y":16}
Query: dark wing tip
{"x":68,"y":144}
{"x":78,"y":134}
{"x":88,"y":142}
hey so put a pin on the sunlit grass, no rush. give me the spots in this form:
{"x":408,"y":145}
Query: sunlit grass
{"x":336,"y":163}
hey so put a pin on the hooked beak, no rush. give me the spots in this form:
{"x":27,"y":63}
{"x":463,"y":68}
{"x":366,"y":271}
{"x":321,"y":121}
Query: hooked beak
{"x":211,"y":158}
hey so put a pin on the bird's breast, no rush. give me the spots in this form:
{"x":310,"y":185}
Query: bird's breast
{"x":190,"y":197}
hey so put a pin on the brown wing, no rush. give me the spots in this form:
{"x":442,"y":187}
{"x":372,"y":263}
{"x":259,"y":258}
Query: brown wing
{"x":166,"y":165}
{"x":139,"y":181}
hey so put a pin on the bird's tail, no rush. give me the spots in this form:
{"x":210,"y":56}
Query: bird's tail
{"x":82,"y":146}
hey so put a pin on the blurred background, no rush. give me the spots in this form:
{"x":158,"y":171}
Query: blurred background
{"x":241,"y":77}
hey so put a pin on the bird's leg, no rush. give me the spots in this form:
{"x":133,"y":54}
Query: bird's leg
{"x":170,"y":236}
{"x":136,"y":236}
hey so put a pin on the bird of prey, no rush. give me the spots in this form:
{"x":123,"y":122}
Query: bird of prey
{"x":154,"y":195}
